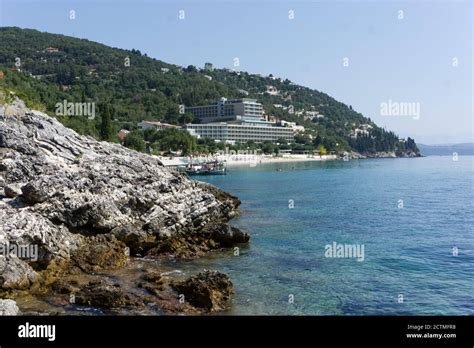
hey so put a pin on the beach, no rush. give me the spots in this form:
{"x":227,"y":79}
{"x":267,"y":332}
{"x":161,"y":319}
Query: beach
{"x":244,"y":159}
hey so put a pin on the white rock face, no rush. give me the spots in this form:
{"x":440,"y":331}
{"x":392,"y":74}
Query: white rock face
{"x":63,"y":187}
{"x":8,"y":307}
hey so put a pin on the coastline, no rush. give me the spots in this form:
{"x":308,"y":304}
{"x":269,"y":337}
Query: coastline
{"x":103,"y":208}
{"x":250,"y":160}
{"x":254,"y":160}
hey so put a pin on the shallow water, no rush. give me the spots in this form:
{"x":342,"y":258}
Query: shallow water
{"x":407,"y":251}
{"x":127,"y":278}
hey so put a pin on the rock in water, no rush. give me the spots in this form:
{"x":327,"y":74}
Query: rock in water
{"x":8,"y":307}
{"x":209,"y":290}
{"x":104,"y":294}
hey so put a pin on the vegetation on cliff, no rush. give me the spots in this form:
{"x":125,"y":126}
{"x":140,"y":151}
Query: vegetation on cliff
{"x":45,"y":69}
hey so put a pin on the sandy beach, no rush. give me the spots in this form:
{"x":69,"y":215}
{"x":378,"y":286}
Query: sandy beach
{"x":246,"y":160}
{"x":250,"y":160}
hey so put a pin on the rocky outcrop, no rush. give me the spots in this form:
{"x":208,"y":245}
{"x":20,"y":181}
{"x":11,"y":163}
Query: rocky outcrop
{"x":102,"y":252}
{"x":8,"y":307}
{"x":104,"y":294}
{"x":88,"y":205}
{"x":209,"y":290}
{"x":16,"y":274}
{"x":380,"y":154}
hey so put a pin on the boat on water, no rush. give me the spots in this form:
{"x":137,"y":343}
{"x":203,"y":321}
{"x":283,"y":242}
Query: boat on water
{"x":206,"y":168}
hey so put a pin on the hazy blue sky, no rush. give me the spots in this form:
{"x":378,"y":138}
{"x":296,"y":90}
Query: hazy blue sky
{"x":403,"y":60}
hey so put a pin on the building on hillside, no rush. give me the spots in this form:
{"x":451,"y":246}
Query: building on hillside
{"x":143,"y":125}
{"x":270,"y":118}
{"x":237,"y":120}
{"x":362,"y":130}
{"x":241,"y":132}
{"x":208,"y":67}
{"x":226,"y":110}
{"x":296,"y":128}
{"x":51,"y":49}
{"x":271,"y":90}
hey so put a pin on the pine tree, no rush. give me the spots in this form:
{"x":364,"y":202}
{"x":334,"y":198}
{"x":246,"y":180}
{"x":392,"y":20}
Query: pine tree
{"x":106,"y":123}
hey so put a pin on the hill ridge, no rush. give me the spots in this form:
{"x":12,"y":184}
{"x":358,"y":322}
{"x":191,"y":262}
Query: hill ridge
{"x":48,"y":68}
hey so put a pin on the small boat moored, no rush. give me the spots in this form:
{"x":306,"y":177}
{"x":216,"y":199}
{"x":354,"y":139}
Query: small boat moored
{"x":206,"y":168}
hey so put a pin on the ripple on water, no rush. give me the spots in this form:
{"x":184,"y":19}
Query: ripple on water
{"x":407,"y":250}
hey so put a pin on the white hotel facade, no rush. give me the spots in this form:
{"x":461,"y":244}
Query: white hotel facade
{"x":237,"y":120}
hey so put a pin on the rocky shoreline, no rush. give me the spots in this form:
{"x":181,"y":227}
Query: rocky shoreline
{"x":89,"y":208}
{"x":383,"y":154}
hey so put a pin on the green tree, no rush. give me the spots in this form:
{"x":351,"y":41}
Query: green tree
{"x":153,"y":89}
{"x":186,"y":118}
{"x":171,"y":139}
{"x":268,"y":147}
{"x":134,"y":140}
{"x":106,"y":129}
{"x":322,"y":150}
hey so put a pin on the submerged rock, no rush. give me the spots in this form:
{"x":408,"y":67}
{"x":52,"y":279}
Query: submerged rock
{"x":153,"y":282}
{"x":227,"y":235}
{"x":104,"y":294}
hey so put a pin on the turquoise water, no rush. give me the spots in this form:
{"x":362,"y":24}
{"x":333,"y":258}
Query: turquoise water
{"x":408,"y":251}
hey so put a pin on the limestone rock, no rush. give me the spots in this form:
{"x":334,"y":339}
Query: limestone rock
{"x":12,"y":190}
{"x":104,"y":294}
{"x":16,"y":274}
{"x":8,"y":307}
{"x":102,"y":252}
{"x":209,"y":290}
{"x":90,"y":203}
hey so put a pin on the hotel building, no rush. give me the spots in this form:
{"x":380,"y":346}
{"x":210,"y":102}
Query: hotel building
{"x":240,"y":132}
{"x":226,"y":110}
{"x":238,"y":120}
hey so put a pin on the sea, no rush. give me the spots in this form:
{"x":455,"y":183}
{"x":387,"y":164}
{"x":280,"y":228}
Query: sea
{"x":359,"y":237}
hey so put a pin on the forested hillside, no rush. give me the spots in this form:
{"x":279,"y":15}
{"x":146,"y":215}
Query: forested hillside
{"x":48,"y":68}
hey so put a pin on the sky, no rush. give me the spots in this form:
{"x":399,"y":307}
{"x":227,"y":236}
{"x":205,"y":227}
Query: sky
{"x":367,"y":54}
